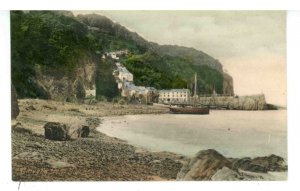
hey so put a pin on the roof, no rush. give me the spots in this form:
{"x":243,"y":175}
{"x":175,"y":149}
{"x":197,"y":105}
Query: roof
{"x":174,"y":90}
{"x":123,"y":69}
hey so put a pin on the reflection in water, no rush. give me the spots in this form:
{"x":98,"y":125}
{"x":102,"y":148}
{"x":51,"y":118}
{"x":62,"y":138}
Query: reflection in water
{"x":232,"y":133}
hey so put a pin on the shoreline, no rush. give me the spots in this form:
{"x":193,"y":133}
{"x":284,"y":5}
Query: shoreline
{"x":98,"y":157}
{"x":187,"y":134}
{"x":35,"y":158}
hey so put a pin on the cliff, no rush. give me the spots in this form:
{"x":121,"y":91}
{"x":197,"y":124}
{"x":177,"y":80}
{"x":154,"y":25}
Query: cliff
{"x":68,"y":87}
{"x":56,"y":55}
{"x":228,"y":85}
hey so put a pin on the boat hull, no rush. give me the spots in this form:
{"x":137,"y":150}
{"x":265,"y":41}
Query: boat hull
{"x":187,"y":110}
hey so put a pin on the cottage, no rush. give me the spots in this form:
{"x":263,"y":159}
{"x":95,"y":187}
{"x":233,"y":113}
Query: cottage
{"x":124,"y":74}
{"x":128,"y":89}
{"x":174,"y":96}
{"x":118,"y":64}
{"x":113,"y":55}
{"x":90,"y":93}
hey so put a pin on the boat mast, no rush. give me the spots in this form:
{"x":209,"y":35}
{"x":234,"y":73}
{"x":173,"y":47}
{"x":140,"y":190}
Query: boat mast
{"x":195,"y":87}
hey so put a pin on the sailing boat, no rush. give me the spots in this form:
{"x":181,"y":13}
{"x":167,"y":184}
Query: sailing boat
{"x":191,"y":109}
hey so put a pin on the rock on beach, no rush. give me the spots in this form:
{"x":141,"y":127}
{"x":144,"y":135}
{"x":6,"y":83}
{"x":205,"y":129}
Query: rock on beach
{"x":203,"y":166}
{"x":211,"y":165}
{"x":56,"y":131}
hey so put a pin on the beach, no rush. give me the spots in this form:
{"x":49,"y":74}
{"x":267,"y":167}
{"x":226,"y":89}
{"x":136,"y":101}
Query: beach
{"x":98,"y":157}
{"x":107,"y":156}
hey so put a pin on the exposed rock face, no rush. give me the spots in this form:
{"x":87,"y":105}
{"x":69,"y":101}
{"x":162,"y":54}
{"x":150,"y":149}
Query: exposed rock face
{"x":211,"y":165}
{"x":203,"y":166}
{"x":14,"y":103}
{"x":56,"y":131}
{"x":248,"y":165}
{"x":227,"y":174}
{"x":272,"y":163}
{"x":65,"y":88}
{"x":228,"y":85}
{"x":84,"y":131}
{"x":261,"y":164}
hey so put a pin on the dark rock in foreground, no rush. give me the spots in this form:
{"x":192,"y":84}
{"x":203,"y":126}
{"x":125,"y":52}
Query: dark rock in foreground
{"x":248,"y":165}
{"x":227,"y":174}
{"x":272,"y":163}
{"x":261,"y":164}
{"x":83,"y":132}
{"x":56,"y":131}
{"x":14,"y":103}
{"x":211,"y":165}
{"x":203,"y":166}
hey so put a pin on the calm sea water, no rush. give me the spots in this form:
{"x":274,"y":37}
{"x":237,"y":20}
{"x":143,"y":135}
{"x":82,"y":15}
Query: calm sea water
{"x":232,"y":133}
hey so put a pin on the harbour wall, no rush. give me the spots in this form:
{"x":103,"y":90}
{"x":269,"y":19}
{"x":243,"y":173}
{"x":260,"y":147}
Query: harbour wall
{"x":252,"y":102}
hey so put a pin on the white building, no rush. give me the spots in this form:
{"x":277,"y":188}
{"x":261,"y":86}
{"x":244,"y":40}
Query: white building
{"x":128,"y":89}
{"x":90,"y":93}
{"x":115,"y":55}
{"x":174,"y":96}
{"x":124,"y":74}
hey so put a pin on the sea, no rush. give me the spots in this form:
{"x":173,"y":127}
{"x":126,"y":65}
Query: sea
{"x":232,"y":133}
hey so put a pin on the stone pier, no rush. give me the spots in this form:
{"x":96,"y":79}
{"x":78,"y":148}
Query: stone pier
{"x":252,"y":102}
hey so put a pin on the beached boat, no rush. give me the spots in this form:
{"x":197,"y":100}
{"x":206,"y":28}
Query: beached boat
{"x":192,"y":108}
{"x":189,"y":110}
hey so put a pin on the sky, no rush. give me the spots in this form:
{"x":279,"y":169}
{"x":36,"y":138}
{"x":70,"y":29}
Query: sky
{"x":251,"y":45}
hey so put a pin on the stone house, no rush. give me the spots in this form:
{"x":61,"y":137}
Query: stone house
{"x":125,"y":75}
{"x":90,"y":93}
{"x":174,"y":96}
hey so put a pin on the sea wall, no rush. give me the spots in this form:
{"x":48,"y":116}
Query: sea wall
{"x":253,"y":102}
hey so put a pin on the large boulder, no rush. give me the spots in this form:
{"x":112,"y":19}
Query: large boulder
{"x":248,"y":165}
{"x":14,"y":103}
{"x":261,"y":164}
{"x":272,"y":162}
{"x":83,"y":131}
{"x":203,"y":166}
{"x":227,"y":174}
{"x":56,"y":131}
